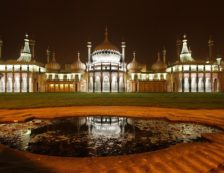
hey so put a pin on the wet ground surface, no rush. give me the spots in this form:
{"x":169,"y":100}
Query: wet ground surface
{"x":99,"y":136}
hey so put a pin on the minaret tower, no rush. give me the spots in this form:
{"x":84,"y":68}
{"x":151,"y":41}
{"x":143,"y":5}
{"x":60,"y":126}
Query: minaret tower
{"x":123,"y":46}
{"x":48,"y":55}
{"x":25,"y":54}
{"x":164,"y":55}
{"x":53,"y":57}
{"x":89,"y":46}
{"x":185,"y":55}
{"x":78,"y":56}
{"x":210,"y":46}
{"x":1,"y":44}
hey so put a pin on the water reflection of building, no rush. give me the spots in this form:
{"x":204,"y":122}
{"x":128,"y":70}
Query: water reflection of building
{"x":106,"y":126}
{"x":108,"y":71}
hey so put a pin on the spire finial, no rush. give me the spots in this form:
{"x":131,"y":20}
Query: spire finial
{"x":106,"y":34}
{"x":78,"y":55}
{"x":164,"y":55}
{"x":53,"y":58}
{"x":185,"y":36}
{"x":48,"y":54}
{"x":26,"y":35}
{"x":134,"y":56}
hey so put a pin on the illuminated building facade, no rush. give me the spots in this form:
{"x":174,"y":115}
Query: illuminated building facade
{"x":106,"y":70}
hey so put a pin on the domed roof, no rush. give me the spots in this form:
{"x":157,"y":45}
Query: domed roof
{"x":106,"y":44}
{"x":53,"y":65}
{"x":135,"y":66}
{"x":159,"y":65}
{"x":78,"y":66}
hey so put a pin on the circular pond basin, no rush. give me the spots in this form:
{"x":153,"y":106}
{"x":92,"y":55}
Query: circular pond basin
{"x":99,"y":136}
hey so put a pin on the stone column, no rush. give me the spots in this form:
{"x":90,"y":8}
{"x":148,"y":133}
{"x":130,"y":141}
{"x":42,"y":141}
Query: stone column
{"x":20,"y":79}
{"x":101,"y":79}
{"x":211,"y":75}
{"x":183,"y":82}
{"x":6,"y":79}
{"x":28,"y":79}
{"x":197,"y":79}
{"x":204,"y":80}
{"x":118,"y":79}
{"x":190,"y":79}
{"x":94,"y":78}
{"x":13,"y":79}
{"x":110,"y":78}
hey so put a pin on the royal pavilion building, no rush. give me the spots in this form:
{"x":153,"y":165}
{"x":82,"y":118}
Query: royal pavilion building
{"x":107,"y":70}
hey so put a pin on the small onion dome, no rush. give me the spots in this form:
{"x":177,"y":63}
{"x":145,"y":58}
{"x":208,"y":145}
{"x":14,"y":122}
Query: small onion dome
{"x":106,"y":45}
{"x":78,"y":66}
{"x":53,"y":65}
{"x":135,"y":66}
{"x":159,"y":65}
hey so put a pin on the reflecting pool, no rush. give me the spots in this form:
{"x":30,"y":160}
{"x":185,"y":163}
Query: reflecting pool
{"x":99,"y":136}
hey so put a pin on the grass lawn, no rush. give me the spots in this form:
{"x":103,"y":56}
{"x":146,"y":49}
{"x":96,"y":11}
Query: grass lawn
{"x":172,"y":100}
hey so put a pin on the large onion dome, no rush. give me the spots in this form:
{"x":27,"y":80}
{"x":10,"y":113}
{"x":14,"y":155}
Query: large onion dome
{"x":78,"y":66}
{"x":135,"y":66}
{"x":106,"y":52}
{"x":159,"y":65}
{"x":52,"y":65}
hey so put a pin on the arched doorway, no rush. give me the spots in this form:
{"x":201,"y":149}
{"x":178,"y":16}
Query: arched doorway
{"x":106,"y":84}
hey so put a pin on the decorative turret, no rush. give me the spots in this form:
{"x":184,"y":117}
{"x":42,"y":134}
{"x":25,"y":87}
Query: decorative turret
{"x":52,"y":65}
{"x":25,"y":54}
{"x":159,"y":65}
{"x":164,"y":55}
{"x":48,"y":55}
{"x":185,"y":55}
{"x":89,"y":46}
{"x":78,"y":66}
{"x":106,"y":45}
{"x":123,"y":46}
{"x":210,"y":45}
{"x":135,"y":66}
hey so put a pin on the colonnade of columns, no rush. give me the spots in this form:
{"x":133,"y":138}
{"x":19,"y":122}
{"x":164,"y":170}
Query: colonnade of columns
{"x":108,"y":80}
{"x":195,"y":81}
{"x":16,"y":81}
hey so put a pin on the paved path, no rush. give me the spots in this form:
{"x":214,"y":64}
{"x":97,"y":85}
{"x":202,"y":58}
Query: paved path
{"x":181,"y":158}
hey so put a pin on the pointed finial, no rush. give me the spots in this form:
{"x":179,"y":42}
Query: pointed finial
{"x":210,"y":41}
{"x":134,"y":56}
{"x":189,"y":48}
{"x":48,"y":54}
{"x":106,"y":34}
{"x":26,"y":36}
{"x":78,"y":55}
{"x":53,"y":58}
{"x":48,"y":50}
{"x":185,"y":36}
{"x":164,"y":55}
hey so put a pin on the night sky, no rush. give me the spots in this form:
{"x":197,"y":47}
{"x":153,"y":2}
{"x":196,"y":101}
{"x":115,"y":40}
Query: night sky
{"x":146,"y":26}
